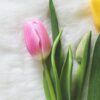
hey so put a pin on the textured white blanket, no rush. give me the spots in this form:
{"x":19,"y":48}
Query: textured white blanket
{"x":20,"y":75}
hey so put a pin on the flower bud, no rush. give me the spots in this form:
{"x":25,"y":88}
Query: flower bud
{"x":37,"y":39}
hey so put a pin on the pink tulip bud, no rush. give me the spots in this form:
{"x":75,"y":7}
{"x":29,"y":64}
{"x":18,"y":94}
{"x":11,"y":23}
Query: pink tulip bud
{"x":37,"y":39}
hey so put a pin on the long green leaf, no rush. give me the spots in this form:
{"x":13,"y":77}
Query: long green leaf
{"x":82,"y":55}
{"x":48,"y":63}
{"x":54,"y":20}
{"x":56,"y":78}
{"x":55,"y":31}
{"x":94,"y":83}
{"x":66,"y":76}
{"x":48,"y":87}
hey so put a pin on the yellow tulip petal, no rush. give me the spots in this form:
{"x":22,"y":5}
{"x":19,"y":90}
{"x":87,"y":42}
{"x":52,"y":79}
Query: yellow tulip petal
{"x":95,"y":8}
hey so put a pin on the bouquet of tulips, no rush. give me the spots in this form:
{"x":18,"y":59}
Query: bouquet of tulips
{"x":58,"y":67}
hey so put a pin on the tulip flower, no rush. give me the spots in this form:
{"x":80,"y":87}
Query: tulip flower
{"x":37,"y":39}
{"x":95,"y":9}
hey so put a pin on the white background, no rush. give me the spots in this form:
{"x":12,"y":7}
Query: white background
{"x":20,"y":75}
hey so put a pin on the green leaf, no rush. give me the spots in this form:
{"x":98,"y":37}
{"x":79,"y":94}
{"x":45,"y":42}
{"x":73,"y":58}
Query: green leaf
{"x":54,"y":20}
{"x":48,"y":87}
{"x":56,"y":80}
{"x":66,"y":76}
{"x":48,"y":63}
{"x":82,"y":56}
{"x":94,"y":82}
{"x":55,"y":31}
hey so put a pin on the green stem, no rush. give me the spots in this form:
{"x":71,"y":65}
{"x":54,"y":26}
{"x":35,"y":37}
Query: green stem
{"x":50,"y":86}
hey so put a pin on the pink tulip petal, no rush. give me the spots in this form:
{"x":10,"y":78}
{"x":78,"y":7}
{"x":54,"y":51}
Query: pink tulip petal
{"x":32,"y":40}
{"x":37,"y":39}
{"x":44,"y":38}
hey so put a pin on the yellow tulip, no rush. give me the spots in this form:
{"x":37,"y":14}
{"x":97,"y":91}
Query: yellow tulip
{"x":95,"y":9}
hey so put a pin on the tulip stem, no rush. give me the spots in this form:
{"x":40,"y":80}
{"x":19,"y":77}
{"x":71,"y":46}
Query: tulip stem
{"x":49,"y":83}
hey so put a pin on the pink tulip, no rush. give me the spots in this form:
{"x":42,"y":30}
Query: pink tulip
{"x":36,"y":38}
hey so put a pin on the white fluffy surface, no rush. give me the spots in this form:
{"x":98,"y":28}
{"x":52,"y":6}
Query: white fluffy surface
{"x":20,"y":75}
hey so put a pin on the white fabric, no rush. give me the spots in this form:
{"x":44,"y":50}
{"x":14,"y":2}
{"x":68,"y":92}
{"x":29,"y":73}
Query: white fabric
{"x":20,"y":75}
